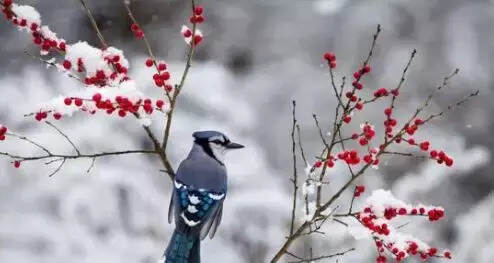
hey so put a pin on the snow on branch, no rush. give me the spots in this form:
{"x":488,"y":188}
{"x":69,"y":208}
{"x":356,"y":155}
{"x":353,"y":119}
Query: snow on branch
{"x":376,"y":219}
{"x":103,"y":72}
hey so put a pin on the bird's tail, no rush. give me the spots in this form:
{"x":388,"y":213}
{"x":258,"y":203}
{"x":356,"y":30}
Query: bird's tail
{"x":183,"y":249}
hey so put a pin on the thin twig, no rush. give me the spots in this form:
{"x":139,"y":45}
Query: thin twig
{"x":58,"y":168}
{"x":179,"y":87}
{"x":402,"y":80}
{"x":314,"y":116}
{"x":301,"y":148}
{"x":51,"y":64}
{"x":93,"y":160}
{"x":294,"y":179}
{"x":126,"y":4}
{"x":312,"y":259}
{"x":64,"y":135}
{"x":453,"y":106}
{"x":76,"y":156}
{"x":24,"y":138}
{"x":94,"y":24}
{"x":405,"y":154}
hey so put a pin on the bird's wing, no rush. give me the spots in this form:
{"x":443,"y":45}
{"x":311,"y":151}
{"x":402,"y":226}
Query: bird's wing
{"x":171,"y":208}
{"x":196,"y":207}
{"x":212,"y":222}
{"x":217,"y":221}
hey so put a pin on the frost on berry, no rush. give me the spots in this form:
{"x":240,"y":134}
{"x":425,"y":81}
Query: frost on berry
{"x":190,"y":37}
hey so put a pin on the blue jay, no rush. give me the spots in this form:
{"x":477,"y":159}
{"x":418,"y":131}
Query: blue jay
{"x":196,"y":204}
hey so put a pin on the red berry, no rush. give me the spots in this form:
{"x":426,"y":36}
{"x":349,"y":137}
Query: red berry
{"x":100,"y":74}
{"x":198,"y":10}
{"x":187,"y":33}
{"x":122,"y":113}
{"x":17,"y":164}
{"x":162,"y":67}
{"x":139,"y":34}
{"x":332,"y":64}
{"x":366,"y":69}
{"x":354,"y":136}
{"x":134,"y":27}
{"x":329,"y":56}
{"x":3,"y":130}
{"x":199,"y":19}
{"x":363,"y":141}
{"x":7,"y":3}
{"x":57,"y":116}
{"x":347,"y":119}
{"x":159,"y":82}
{"x":356,"y":75}
{"x":197,"y":39}
{"x":149,"y":62}
{"x":419,"y":122}
{"x":160,"y":103}
{"x":78,"y":102}
{"x":62,"y":46}
{"x":388,"y":111}
{"x":318,"y":164}
{"x":97,"y":97}
{"x":447,"y":254}
{"x":67,"y":101}
{"x":424,"y":146}
{"x":67,"y":64}
{"x":165,"y":75}
{"x":359,"y":106}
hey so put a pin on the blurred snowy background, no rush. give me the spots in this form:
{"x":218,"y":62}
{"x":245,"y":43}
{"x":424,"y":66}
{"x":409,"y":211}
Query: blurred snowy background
{"x":256,"y":57}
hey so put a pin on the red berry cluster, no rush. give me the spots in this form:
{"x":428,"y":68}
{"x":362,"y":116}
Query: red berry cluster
{"x":160,"y":78}
{"x":350,"y":157}
{"x":44,"y":38}
{"x":378,"y":225}
{"x":359,"y":189}
{"x":441,"y":157}
{"x":3,"y":132}
{"x":190,"y":37}
{"x":411,"y":129}
{"x":330,"y":57}
{"x":138,"y":33}
{"x":197,"y":17}
{"x":382,"y":92}
{"x":358,"y":75}
{"x":412,"y":248}
{"x":368,"y":133}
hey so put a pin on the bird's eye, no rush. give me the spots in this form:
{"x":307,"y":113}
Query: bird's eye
{"x":217,"y":142}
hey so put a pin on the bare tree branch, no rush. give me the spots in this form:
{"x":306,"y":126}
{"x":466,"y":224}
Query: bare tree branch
{"x":312,"y":259}
{"x":94,"y":24}
{"x":294,"y":179}
{"x":64,"y":135}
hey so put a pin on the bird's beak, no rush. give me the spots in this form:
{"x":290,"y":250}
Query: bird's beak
{"x":233,"y":145}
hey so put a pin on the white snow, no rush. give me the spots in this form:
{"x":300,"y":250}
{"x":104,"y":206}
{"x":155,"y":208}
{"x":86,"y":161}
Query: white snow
{"x":27,"y":12}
